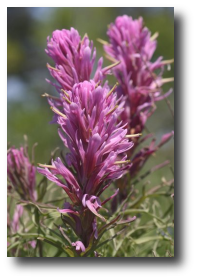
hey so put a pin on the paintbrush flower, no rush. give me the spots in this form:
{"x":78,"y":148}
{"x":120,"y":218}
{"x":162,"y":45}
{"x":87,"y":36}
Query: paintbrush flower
{"x":89,"y":128}
{"x":140,"y":80}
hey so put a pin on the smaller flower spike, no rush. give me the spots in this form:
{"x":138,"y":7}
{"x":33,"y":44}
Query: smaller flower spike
{"x":21,"y":173}
{"x":89,"y":128}
{"x":131,"y":44}
{"x":140,"y":81}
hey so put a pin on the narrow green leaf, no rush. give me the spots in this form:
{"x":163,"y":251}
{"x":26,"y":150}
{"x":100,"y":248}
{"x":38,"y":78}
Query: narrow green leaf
{"x":147,"y":239}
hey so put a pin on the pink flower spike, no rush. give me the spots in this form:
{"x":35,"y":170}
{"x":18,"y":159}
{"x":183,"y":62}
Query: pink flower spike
{"x":21,"y":173}
{"x":88,"y":118}
{"x":97,"y":143}
{"x":130,"y":42}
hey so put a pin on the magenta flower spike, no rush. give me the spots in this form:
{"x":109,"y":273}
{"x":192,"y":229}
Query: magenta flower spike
{"x":74,"y":62}
{"x":89,"y":128}
{"x":131,"y":44}
{"x":140,"y":80}
{"x":21,"y":173}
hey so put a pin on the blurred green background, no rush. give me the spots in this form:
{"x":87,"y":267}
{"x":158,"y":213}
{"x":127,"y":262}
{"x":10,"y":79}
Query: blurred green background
{"x":28,"y":28}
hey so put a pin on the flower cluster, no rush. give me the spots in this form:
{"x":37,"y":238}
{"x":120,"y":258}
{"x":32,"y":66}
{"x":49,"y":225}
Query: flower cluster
{"x":101,"y":127}
{"x":140,"y":80}
{"x":74,"y":61}
{"x":131,"y":44}
{"x":87,"y":114}
{"x":21,"y":173}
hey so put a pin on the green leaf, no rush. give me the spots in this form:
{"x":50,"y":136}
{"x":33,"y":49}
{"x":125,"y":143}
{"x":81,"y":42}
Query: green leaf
{"x":148,"y":239}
